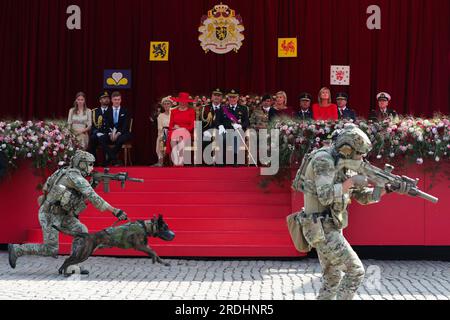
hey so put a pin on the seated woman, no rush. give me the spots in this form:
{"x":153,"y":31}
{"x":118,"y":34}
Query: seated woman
{"x":325,"y":110}
{"x":80,"y":120}
{"x":280,"y":108}
{"x":181,"y":128}
{"x":163,"y":128}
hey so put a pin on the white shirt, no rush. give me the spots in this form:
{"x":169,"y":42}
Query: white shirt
{"x":216,"y":107}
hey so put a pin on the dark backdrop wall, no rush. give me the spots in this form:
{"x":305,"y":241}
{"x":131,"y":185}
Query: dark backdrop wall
{"x":43,"y":64}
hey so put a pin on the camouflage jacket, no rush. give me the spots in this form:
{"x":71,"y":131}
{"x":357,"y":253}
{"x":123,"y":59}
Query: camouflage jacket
{"x":259,"y":119}
{"x":66,"y":192}
{"x":320,"y":179}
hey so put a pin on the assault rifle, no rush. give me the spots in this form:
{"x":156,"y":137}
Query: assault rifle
{"x":380,"y":178}
{"x":106,"y":177}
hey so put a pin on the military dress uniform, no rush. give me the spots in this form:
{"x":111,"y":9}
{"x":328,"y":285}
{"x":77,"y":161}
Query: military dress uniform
{"x":325,"y":215}
{"x":304,"y":114}
{"x":346,"y":112}
{"x":231,"y":115}
{"x":100,"y":125}
{"x":379,"y":114}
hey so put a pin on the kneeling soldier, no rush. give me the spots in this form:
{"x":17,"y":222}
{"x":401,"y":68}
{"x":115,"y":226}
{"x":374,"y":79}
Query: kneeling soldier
{"x":64,"y":198}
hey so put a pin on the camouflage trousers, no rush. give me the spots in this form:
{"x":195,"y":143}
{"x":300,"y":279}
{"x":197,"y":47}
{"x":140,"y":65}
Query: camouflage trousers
{"x":336,"y":256}
{"x":50,"y":247}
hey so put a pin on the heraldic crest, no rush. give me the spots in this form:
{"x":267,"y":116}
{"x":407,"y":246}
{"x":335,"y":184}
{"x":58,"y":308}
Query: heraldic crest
{"x":221,"y":30}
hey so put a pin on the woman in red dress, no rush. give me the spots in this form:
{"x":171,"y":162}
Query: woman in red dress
{"x":325,"y":110}
{"x":181,"y":128}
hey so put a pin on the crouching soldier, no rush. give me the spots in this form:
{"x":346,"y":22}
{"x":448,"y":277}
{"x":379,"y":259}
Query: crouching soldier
{"x":63,"y":200}
{"x":328,"y":182}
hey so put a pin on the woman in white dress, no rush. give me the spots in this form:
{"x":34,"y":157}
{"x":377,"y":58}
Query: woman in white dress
{"x":163,"y":126}
{"x":80,"y":120}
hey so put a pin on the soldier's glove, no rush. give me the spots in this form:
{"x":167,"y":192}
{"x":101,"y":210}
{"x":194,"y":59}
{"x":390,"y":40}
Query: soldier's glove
{"x":403,"y":188}
{"x":222,"y":130}
{"x":99,"y":134}
{"x":94,"y":183}
{"x":360,"y":181}
{"x":120,"y":214}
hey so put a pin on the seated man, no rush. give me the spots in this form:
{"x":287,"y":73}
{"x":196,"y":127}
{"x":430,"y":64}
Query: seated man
{"x":100,"y":126}
{"x":305,"y":112}
{"x":383,"y":111}
{"x":118,"y":127}
{"x":344,"y":111}
{"x":260,"y":117}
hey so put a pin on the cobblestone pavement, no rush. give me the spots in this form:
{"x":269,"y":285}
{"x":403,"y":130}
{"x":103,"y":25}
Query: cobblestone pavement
{"x":123,"y":278}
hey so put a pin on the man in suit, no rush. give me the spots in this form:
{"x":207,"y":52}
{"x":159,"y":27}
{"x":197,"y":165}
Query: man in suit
{"x":344,"y":112}
{"x":100,"y":125}
{"x":383,"y":111}
{"x":305,"y":112}
{"x":118,"y":120}
{"x":233,"y":117}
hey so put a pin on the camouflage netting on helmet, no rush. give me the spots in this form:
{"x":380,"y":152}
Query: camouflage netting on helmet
{"x":81,"y":160}
{"x":355,"y":138}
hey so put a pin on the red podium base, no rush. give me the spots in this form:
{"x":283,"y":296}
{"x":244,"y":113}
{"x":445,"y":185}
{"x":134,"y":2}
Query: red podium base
{"x":223,"y":212}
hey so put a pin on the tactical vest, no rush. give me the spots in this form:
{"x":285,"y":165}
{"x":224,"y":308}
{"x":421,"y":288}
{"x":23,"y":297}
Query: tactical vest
{"x":60,"y":197}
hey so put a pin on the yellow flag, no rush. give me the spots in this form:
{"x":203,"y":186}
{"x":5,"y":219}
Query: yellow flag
{"x":159,"y":51}
{"x":287,"y":47}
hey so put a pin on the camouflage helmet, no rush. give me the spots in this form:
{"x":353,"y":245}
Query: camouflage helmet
{"x":352,"y":140}
{"x":81,"y":160}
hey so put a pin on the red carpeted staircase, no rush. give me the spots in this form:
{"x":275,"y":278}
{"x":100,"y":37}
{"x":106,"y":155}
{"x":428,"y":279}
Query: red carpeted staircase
{"x":215,"y":212}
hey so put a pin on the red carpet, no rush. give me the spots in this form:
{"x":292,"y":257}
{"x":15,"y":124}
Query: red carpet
{"x":215,"y":212}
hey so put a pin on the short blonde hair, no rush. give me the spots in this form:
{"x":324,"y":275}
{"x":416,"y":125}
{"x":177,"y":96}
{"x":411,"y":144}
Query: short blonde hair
{"x":282,"y":93}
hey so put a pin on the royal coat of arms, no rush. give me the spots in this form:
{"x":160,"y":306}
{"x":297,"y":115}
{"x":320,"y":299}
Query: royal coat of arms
{"x":221,"y":30}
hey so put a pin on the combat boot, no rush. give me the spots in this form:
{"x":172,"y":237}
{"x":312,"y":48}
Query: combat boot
{"x":12,"y":256}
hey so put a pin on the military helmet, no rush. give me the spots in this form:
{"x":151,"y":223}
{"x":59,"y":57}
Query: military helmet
{"x":81,"y":160}
{"x":352,"y":140}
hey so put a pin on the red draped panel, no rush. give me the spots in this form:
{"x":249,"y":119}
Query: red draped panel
{"x":43,"y":64}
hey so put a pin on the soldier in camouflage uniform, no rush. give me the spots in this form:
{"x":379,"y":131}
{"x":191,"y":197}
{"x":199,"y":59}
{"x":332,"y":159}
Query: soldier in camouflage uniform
{"x":260,"y":116}
{"x":64,"y":198}
{"x":328,"y":179}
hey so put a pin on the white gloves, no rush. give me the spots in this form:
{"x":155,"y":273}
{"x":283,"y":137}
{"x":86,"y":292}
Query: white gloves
{"x":207,"y":135}
{"x":222,"y":130}
{"x":99,"y":134}
{"x":237,"y":126}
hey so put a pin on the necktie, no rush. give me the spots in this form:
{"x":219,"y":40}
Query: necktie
{"x":116,"y":116}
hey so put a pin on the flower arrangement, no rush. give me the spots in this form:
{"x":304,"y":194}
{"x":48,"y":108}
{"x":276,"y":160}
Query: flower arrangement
{"x":49,"y":144}
{"x":410,"y":139}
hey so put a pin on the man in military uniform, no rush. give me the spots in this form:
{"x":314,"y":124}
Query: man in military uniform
{"x":233,"y":116}
{"x":260,"y":117}
{"x":344,"y":112}
{"x":100,"y":126}
{"x":328,"y":179}
{"x":383,"y":111}
{"x":63,"y":200}
{"x":305,"y":112}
